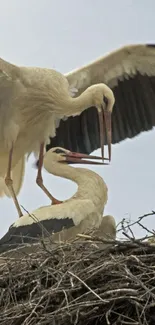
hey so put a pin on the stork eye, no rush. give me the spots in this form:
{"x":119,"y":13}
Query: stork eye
{"x":105,"y":99}
{"x":58,"y":151}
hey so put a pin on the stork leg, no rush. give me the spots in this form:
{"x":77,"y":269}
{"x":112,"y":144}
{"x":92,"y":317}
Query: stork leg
{"x":9,"y":183}
{"x":39,"y":179}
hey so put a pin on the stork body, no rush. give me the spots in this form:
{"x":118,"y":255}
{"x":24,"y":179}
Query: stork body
{"x":32,"y":102}
{"x":82,"y":212}
{"x":130,"y":73}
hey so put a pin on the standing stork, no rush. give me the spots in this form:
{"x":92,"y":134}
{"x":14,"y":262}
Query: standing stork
{"x":82,"y":212}
{"x":32,"y":102}
{"x":130,"y":73}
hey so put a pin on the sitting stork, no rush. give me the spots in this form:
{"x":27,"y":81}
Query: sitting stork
{"x":79,"y":214}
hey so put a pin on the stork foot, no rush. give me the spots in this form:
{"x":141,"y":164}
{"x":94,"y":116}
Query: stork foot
{"x":39,"y":182}
{"x":55,"y":201}
{"x":39,"y":179}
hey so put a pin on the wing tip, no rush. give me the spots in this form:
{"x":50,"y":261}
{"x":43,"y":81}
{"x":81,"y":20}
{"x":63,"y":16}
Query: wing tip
{"x":31,"y":233}
{"x":150,"y":45}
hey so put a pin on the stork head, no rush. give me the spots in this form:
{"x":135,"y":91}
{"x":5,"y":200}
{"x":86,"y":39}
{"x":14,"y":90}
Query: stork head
{"x":61,"y":155}
{"x":103,"y":99}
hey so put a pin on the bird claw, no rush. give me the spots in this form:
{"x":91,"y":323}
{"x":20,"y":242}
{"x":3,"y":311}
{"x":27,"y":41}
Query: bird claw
{"x":55,"y":201}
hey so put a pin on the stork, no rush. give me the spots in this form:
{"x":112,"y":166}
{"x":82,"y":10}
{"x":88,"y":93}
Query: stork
{"x":32,"y":102}
{"x":130,"y":73}
{"x":82,"y":212}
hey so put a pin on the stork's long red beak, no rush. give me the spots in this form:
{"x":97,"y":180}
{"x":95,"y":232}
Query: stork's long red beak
{"x":74,"y":157}
{"x":105,"y":118}
{"x":83,"y":155}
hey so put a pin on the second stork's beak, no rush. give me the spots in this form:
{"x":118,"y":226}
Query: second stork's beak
{"x":105,"y":118}
{"x":74,"y":157}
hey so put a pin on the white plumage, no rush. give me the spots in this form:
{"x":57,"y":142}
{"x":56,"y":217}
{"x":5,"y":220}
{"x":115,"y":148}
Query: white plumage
{"x":35,"y":104}
{"x":82,"y":212}
{"x":32,"y":102}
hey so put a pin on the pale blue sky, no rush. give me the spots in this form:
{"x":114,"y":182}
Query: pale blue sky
{"x":65,"y":35}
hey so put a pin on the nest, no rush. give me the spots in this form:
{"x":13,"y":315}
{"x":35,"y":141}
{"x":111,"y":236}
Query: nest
{"x":80,"y":283}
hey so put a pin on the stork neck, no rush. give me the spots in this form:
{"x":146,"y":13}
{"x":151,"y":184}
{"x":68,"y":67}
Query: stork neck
{"x":65,"y":171}
{"x":78,"y":104}
{"x":90,"y":184}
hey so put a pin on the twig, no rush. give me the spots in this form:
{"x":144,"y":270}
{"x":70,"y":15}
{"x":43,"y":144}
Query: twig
{"x":138,"y":220}
{"x":94,"y":293}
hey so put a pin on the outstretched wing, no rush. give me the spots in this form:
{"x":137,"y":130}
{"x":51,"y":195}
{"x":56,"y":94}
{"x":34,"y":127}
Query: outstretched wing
{"x":130,"y":73}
